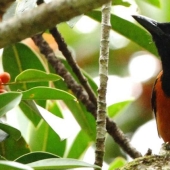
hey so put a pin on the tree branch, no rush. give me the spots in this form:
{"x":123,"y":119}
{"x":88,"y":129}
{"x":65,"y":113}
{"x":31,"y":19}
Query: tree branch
{"x":4,"y":5}
{"x":79,"y":92}
{"x":43,"y":17}
{"x":103,"y":73}
{"x":157,"y":162}
{"x":67,"y":54}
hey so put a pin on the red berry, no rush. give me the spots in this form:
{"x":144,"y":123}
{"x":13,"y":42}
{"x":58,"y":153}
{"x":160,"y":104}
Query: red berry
{"x":5,"y":77}
{"x":2,"y":91}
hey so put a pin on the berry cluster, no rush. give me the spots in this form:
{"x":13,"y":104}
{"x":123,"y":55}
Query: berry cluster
{"x":4,"y":78}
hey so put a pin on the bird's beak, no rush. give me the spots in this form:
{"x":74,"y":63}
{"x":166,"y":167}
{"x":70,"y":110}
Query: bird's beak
{"x":148,"y":24}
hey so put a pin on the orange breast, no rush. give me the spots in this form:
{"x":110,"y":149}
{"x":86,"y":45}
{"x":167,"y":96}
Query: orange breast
{"x":162,"y":111}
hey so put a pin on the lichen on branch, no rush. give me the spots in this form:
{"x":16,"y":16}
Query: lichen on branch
{"x":43,"y":17}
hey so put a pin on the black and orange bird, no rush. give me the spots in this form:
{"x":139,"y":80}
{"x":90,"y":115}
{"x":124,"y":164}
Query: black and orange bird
{"x":160,"y":99}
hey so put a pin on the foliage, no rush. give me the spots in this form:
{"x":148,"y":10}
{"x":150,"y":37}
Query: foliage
{"x":40,"y":101}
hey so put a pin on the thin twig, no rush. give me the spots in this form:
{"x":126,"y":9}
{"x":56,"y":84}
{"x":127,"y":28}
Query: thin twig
{"x":67,"y":54}
{"x":60,"y":69}
{"x":77,"y":89}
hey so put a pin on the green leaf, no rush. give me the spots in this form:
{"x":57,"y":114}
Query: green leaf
{"x":8,"y":101}
{"x":79,"y":145}
{"x":54,"y":108}
{"x":56,"y":123}
{"x":33,"y":75}
{"x":117,"y":163}
{"x":91,"y":82}
{"x":13,"y":132}
{"x":12,"y":149}
{"x":44,"y":93}
{"x":3,"y":136}
{"x":21,"y":58}
{"x":62,"y":85}
{"x":78,"y":110}
{"x":54,"y":127}
{"x":72,"y":22}
{"x":115,"y":108}
{"x":132,"y":31}
{"x":9,"y":165}
{"x":30,"y":111}
{"x":51,"y":141}
{"x":83,"y":117}
{"x":61,"y":163}
{"x":35,"y":156}
{"x":121,"y":2}
{"x":155,"y":3}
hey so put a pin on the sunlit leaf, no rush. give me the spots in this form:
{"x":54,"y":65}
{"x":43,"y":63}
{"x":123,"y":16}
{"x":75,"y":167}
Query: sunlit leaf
{"x":79,"y":145}
{"x":115,"y":108}
{"x":55,"y":109}
{"x":33,"y":75}
{"x":117,"y":163}
{"x":56,"y":123}
{"x":44,"y":93}
{"x":74,"y":20}
{"x":9,"y":165}
{"x":121,"y":2}
{"x":155,"y":3}
{"x":132,"y":31}
{"x":8,"y":101}
{"x":35,"y":156}
{"x":84,"y":118}
{"x":61,"y":163}
{"x":51,"y":140}
{"x":54,"y":128}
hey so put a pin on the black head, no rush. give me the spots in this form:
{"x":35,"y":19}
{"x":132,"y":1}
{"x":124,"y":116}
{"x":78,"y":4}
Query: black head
{"x":161,"y":35}
{"x":153,"y":27}
{"x":148,"y":24}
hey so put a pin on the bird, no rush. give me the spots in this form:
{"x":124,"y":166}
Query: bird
{"x":160,"y":98}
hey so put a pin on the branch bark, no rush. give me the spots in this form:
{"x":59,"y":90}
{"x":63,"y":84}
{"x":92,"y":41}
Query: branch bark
{"x":67,"y":54}
{"x":156,"y":162}
{"x":43,"y":17}
{"x":103,"y":73}
{"x":79,"y":92}
{"x":4,"y":5}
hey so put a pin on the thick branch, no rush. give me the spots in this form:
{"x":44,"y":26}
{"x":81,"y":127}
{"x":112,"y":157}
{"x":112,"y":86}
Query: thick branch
{"x":155,"y":162}
{"x":43,"y":17}
{"x":4,"y":5}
